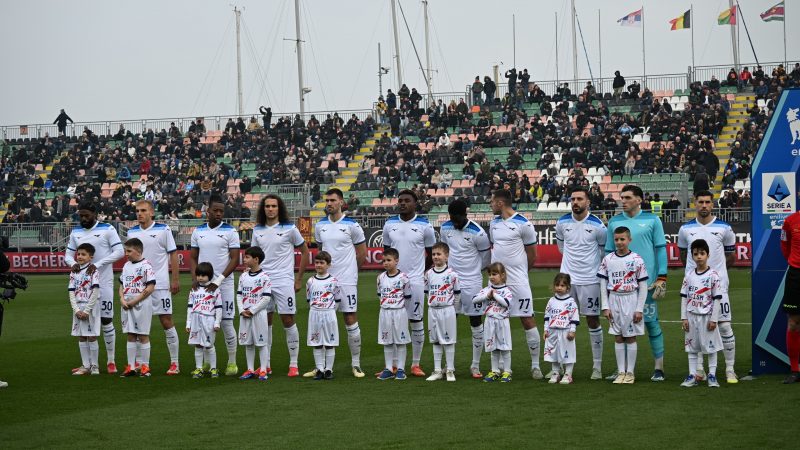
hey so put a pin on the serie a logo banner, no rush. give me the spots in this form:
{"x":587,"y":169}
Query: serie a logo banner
{"x":778,"y":200}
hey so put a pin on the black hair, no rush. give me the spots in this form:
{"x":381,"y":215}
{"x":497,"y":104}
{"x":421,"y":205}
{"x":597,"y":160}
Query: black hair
{"x":255,"y":252}
{"x":562,"y":278}
{"x":704,"y":193}
{"x":580,"y":189}
{"x":87,"y":247}
{"x":633,"y":189}
{"x":504,"y":195}
{"x":215,"y":198}
{"x":283,"y":213}
{"x":204,"y":269}
{"x":409,"y":192}
{"x":700,"y":244}
{"x":622,"y":230}
{"x":457,"y":207}
{"x":323,"y":256}
{"x":88,"y":206}
{"x":335,"y":191}
{"x":135,"y":243}
{"x":391,"y":252}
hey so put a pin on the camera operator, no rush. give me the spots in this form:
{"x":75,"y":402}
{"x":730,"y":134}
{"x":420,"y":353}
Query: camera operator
{"x":5,"y":264}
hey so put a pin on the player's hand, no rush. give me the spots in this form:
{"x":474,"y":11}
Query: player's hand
{"x":211,"y":287}
{"x":175,"y":286}
{"x":76,"y":268}
{"x":216,"y":327}
{"x":91,"y":269}
{"x":659,"y":289}
{"x":607,"y":315}
{"x":124,"y":304}
{"x":685,"y":325}
{"x":637,"y":317}
{"x":247,"y":313}
{"x":571,"y":336}
{"x":546,"y":334}
{"x":297,"y":283}
{"x":188,"y":330}
{"x":712,"y":326}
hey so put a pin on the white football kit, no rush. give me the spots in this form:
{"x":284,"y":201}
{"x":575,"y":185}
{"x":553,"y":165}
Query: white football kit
{"x":470,"y":253}
{"x":700,"y":294}
{"x":159,"y":244}
{"x":279,"y":242}
{"x":582,"y":244}
{"x":81,"y":288}
{"x":393,"y":292}
{"x":509,"y":238}
{"x":214,"y":245}
{"x":623,"y":274}
{"x":442,"y":288}
{"x":107,"y":250}
{"x":254,"y":294}
{"x":340,"y":239}
{"x":323,"y":295}
{"x":204,"y":314}
{"x":135,"y":278}
{"x":411,"y":238}
{"x":560,"y":318}
{"x":496,"y":327}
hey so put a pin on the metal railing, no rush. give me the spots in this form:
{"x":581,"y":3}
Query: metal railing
{"x":704,"y":73}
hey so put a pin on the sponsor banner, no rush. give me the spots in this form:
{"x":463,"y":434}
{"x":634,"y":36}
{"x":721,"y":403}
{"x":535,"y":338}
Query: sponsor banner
{"x":777,"y":200}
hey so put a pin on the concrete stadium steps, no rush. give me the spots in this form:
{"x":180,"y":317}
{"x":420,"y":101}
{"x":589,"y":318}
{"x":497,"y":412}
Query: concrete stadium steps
{"x":737,"y":118}
{"x":40,"y":171}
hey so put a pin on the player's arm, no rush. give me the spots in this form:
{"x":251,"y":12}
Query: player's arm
{"x":456,"y":294}
{"x":69,"y":254}
{"x":530,"y":252}
{"x":684,"y":254}
{"x":428,"y":258}
{"x":729,"y":244}
{"x":301,"y":268}
{"x":233,"y":261}
{"x":660,"y":243}
{"x":117,"y":251}
{"x":559,"y":238}
{"x":175,"y":283}
{"x":361,"y":254}
{"x":360,"y":243}
{"x":683,"y":246}
{"x":429,"y":236}
{"x":194,"y":255}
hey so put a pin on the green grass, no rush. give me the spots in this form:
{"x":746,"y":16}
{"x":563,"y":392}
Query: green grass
{"x":47,"y":407}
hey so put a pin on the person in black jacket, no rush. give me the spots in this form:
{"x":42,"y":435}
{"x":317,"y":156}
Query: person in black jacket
{"x":512,"y":82}
{"x":266,"y":116}
{"x":618,"y":85}
{"x":489,"y":88}
{"x":61,"y":121}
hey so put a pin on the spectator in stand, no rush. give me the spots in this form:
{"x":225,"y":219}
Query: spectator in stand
{"x":61,"y":121}
{"x":732,"y":79}
{"x":744,"y":78}
{"x":701,"y":180}
{"x":618,"y":84}
{"x":489,"y":88}
{"x":266,"y":116}
{"x":610,"y":204}
{"x":634,"y":89}
{"x":477,"y":90}
{"x":511,"y":75}
{"x":391,"y":100}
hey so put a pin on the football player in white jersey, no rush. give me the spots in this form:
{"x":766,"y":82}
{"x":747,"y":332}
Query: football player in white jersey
{"x":278,"y":237}
{"x":581,"y":238}
{"x":722,"y":244}
{"x":469,"y":255}
{"x":218,"y":243}
{"x":160,"y":251}
{"x":343,"y":238}
{"x":413,"y":237}
{"x":514,"y":244}
{"x":107,"y":250}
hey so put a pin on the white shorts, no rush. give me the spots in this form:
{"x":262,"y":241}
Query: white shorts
{"x":254,"y":330}
{"x":162,"y":302}
{"x":559,"y":349}
{"x":106,"y":301}
{"x":283,"y":299}
{"x":228,"y":294}
{"x":522,"y":301}
{"x":622,"y":308}
{"x":467,"y":307}
{"x":442,"y":325}
{"x":496,"y":334}
{"x":588,"y":298}
{"x":698,"y":339}
{"x":725,"y":313}
{"x":393,"y":327}
{"x":415,"y":306}
{"x":89,"y":327}
{"x":137,"y":320}
{"x":202,"y":330}
{"x":349,"y":303}
{"x":323,"y":328}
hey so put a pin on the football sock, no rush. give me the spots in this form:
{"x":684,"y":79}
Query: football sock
{"x":94,"y":351}
{"x":417,"y":341}
{"x":692,"y":363}
{"x":250,"y":355}
{"x":172,"y":344}
{"x":712,"y":364}
{"x":354,"y":342}
{"x":400,"y":352}
{"x":556,"y":368}
{"x":330,"y":356}
{"x":477,"y":345}
{"x":144,"y":353}
{"x":110,"y":337}
{"x":496,"y":361}
{"x":319,"y":358}
{"x":269,"y":346}
{"x":131,"y":348}
{"x":728,"y":344}
{"x":596,"y":339}
{"x":388,"y":356}
{"x":632,"y":350}
{"x":437,"y":357}
{"x":532,"y":336}
{"x":83,"y":346}
{"x":793,"y":349}
{"x":230,"y":339}
{"x":263,"y":356}
{"x":568,"y":368}
{"x":507,"y":361}
{"x":450,"y":355}
{"x":198,"y":357}
{"x":293,"y":344}
{"x":212,"y":357}
{"x":619,"y":351}
{"x":656,"y":337}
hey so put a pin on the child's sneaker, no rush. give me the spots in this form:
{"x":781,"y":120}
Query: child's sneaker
{"x":596,"y":375}
{"x":536,"y":373}
{"x":386,"y":374}
{"x":293,"y":372}
{"x":554,"y":377}
{"x":144,"y":370}
{"x":435,"y":376}
{"x":311,"y":373}
{"x":506,"y":377}
{"x":712,"y":381}
{"x":620,"y":378}
{"x":248,"y":375}
{"x":111,"y":368}
{"x":76,"y":369}
{"x":129,"y":372}
{"x":613,"y":376}
{"x":378,"y":373}
{"x":319,"y":375}
{"x":174,"y":369}
{"x":401,"y":374}
{"x":94,"y":370}
{"x":328,"y":375}
{"x":700,"y":374}
{"x":451,"y":376}
{"x":475,"y":372}
{"x":566,"y":379}
{"x":263,"y":375}
{"x":630,"y":378}
{"x":490,"y":377}
{"x":416,"y":370}
{"x":357,"y":372}
{"x":231,"y":370}
{"x":80,"y":371}
{"x":214,"y":373}
{"x":197,"y":373}
{"x":730,"y":377}
{"x":658,"y":375}
{"x":206,"y":367}
{"x":269,"y":370}
{"x":689,"y":381}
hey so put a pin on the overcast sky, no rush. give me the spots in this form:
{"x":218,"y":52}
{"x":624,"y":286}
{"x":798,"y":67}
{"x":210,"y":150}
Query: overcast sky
{"x":110,"y":60}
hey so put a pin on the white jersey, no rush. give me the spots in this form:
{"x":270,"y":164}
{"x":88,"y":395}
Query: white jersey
{"x":698,"y":292}
{"x":498,"y":303}
{"x":410,"y":239}
{"x":340,"y":239}
{"x":441,"y":287}
{"x":254,"y":291}
{"x":582,"y":243}
{"x":393,"y":290}
{"x":323,"y":293}
{"x":561,"y":314}
{"x":469,"y":251}
{"x":107,"y":249}
{"x":158,"y":245}
{"x":509,"y":239}
{"x":214,"y":245}
{"x":278,"y":242}
{"x":135,"y":278}
{"x":204,"y":302}
{"x":623,"y":273}
{"x":720,"y":238}
{"x":82,"y":284}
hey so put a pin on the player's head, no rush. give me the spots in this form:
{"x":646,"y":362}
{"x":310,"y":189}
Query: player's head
{"x":458,"y":213}
{"x":334,"y":199}
{"x":622,"y":239}
{"x":253,"y":257}
{"x":700,"y":251}
{"x":407,"y":202}
{"x":87,"y":214}
{"x":704,"y":203}
{"x":497,"y":273}
{"x":579,"y":197}
{"x":216,"y":210}
{"x":271,"y":208}
{"x":562,"y":283}
{"x":84,"y":253}
{"x":322,"y":262}
{"x":204,"y":272}
{"x":391,"y":257}
{"x":134,"y":249}
{"x":439,"y":253}
{"x":631,"y":197}
{"x":144,"y":212}
{"x":501,"y":199}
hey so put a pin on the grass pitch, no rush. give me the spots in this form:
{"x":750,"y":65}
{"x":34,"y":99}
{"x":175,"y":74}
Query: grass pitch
{"x":47,"y":407}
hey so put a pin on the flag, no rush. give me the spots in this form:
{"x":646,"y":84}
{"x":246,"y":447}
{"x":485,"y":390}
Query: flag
{"x":727,"y":17}
{"x":682,"y":22}
{"x":633,"y":19}
{"x":774,"y":13}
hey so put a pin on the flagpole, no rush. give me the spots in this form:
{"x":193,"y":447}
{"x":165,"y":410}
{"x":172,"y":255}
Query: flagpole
{"x":644,"y":60}
{"x":600,"y":49}
{"x":785,"y":59}
{"x":691,"y":26}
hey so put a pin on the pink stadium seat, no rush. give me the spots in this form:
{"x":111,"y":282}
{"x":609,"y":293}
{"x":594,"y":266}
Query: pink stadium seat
{"x":376,"y":202}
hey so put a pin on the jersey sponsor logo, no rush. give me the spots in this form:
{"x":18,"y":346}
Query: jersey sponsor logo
{"x":343,"y":230}
{"x":153,"y":236}
{"x":588,"y":230}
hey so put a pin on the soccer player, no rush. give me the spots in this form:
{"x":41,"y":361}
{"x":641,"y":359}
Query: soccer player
{"x":647,"y":235}
{"x":159,"y":250}
{"x":581,"y":237}
{"x":701,"y":293}
{"x":412,"y":236}
{"x":394,"y":290}
{"x":469,"y":255}
{"x":514,"y":244}
{"x":137,"y":283}
{"x":721,"y":240}
{"x":561,"y":317}
{"x":623,"y":292}
{"x":107,"y":250}
{"x":496,"y":328}
{"x":790,"y":246}
{"x":323,"y":293}
{"x":343,"y":238}
{"x":217,"y":243}
{"x":278,"y":237}
{"x":444,"y":299}
{"x":253,"y":297}
{"x":84,"y":290}
{"x":203,"y":320}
